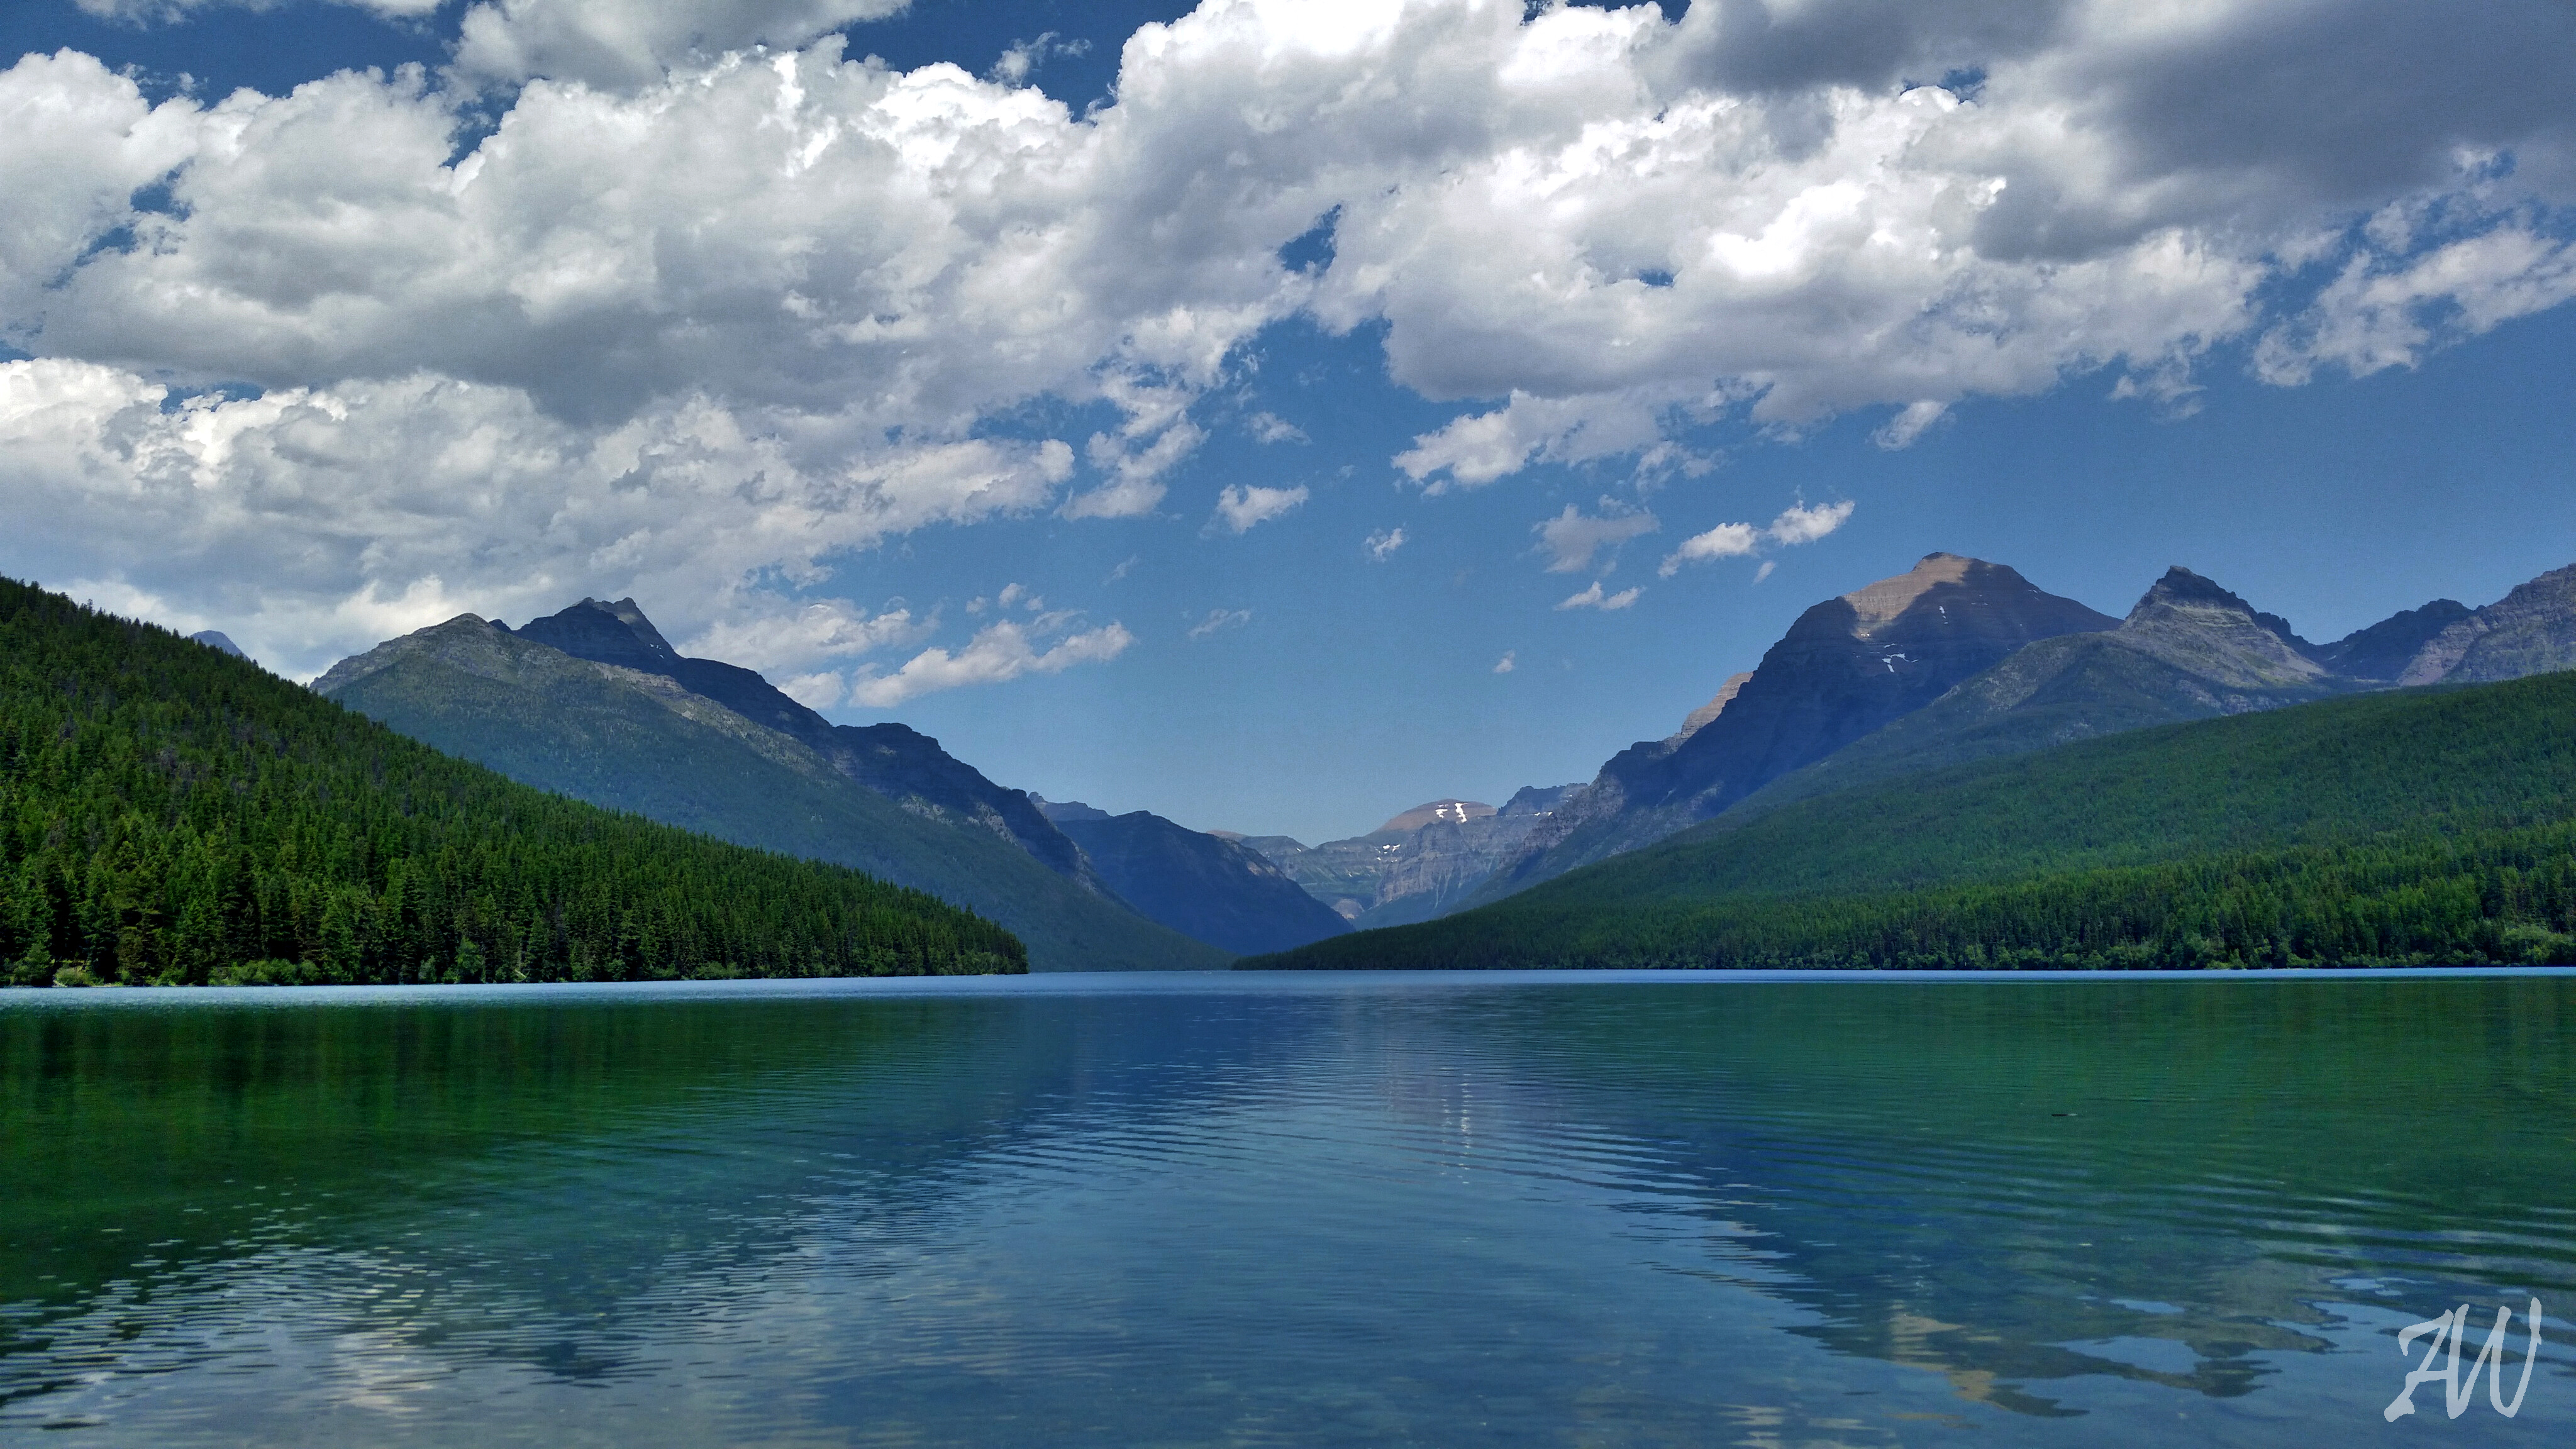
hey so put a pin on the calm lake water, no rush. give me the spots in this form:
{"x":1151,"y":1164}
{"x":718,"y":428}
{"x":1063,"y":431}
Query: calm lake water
{"x":1585,"y":1210}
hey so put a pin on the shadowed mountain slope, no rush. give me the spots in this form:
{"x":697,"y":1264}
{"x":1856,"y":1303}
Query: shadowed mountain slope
{"x":641,"y":740}
{"x":1203,"y":886}
{"x":895,"y":760}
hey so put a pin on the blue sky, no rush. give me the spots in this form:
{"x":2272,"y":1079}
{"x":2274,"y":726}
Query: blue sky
{"x":1194,"y":446}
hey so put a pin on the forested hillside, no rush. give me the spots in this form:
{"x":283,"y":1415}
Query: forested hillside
{"x":2422,"y":827}
{"x":172,"y":815}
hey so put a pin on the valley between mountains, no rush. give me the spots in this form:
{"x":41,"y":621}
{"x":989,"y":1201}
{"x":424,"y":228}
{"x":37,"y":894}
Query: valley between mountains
{"x":1946,"y":767}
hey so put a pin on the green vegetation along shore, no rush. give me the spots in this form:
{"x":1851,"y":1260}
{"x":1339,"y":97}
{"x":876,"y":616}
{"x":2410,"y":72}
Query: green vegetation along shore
{"x":170,"y":815}
{"x":2421,"y":827}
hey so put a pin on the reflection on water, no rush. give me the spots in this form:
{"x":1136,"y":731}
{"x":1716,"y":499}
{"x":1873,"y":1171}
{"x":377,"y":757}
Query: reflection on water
{"x":1366,"y":1211}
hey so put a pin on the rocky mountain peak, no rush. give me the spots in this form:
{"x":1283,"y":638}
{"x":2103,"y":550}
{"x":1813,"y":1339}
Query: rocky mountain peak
{"x":606,"y":633}
{"x":1456,"y":812}
{"x":219,"y":641}
{"x":1877,"y":605}
{"x":2194,"y":624}
{"x":1538,"y":799}
{"x":1947,"y":596}
{"x":2531,"y":630}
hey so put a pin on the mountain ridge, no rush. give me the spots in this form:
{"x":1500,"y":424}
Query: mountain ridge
{"x":1845,"y":667}
{"x":640,"y":740}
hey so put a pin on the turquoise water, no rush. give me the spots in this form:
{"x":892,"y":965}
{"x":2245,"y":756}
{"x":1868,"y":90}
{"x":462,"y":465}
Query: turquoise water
{"x":1541,"y":1210}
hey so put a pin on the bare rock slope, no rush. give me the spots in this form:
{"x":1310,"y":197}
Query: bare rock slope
{"x":1847,"y":667}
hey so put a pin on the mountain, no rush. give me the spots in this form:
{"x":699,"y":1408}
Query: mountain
{"x":2409,"y":827}
{"x":2384,"y":650}
{"x":174,"y":816}
{"x":219,"y":641}
{"x":1847,"y":667}
{"x":2529,"y":631}
{"x":642,"y":740}
{"x":1203,"y":886}
{"x":1422,"y":863}
{"x":2192,"y":650}
{"x":2188,"y":650}
{"x":894,"y":760}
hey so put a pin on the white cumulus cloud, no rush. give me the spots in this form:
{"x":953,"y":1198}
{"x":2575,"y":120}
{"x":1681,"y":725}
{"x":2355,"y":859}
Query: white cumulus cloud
{"x":689,"y":299}
{"x":998,"y":653}
{"x":1796,"y":524}
{"x":1239,"y":506}
{"x":1382,"y":544}
{"x":1593,"y":598}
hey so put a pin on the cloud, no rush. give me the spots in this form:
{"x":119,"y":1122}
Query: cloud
{"x":623,"y":44}
{"x":2377,"y":315}
{"x":1572,"y":538}
{"x":163,"y":12}
{"x":1218,"y":619}
{"x":1592,"y":598}
{"x":663,"y":309}
{"x":1477,"y":449}
{"x":1727,"y":540}
{"x":1802,"y":524}
{"x":1012,"y":596}
{"x":1135,"y":470}
{"x":997,"y":653}
{"x":1021,"y":61}
{"x":1796,"y":525}
{"x":794,"y":639}
{"x":1509,"y":662}
{"x":1272,"y":428}
{"x":310,"y":523}
{"x":1239,"y":507}
{"x":1382,"y":544}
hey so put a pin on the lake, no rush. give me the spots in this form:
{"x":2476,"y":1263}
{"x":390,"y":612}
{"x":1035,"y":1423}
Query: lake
{"x":1532,"y":1209}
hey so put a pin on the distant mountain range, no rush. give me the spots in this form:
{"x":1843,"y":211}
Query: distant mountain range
{"x":1954,"y":662}
{"x":1993,"y":821}
{"x":2427,"y":827}
{"x":1422,"y":863}
{"x":1959,"y":659}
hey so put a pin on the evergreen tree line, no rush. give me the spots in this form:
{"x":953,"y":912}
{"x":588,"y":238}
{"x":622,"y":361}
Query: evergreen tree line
{"x":173,"y":816}
{"x":2504,"y":897}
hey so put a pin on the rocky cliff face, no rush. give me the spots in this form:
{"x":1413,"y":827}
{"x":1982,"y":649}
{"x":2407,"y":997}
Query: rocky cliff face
{"x":2382,"y":651}
{"x":1207,"y":887}
{"x":1847,"y":667}
{"x":1422,"y":863}
{"x":2529,"y":631}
